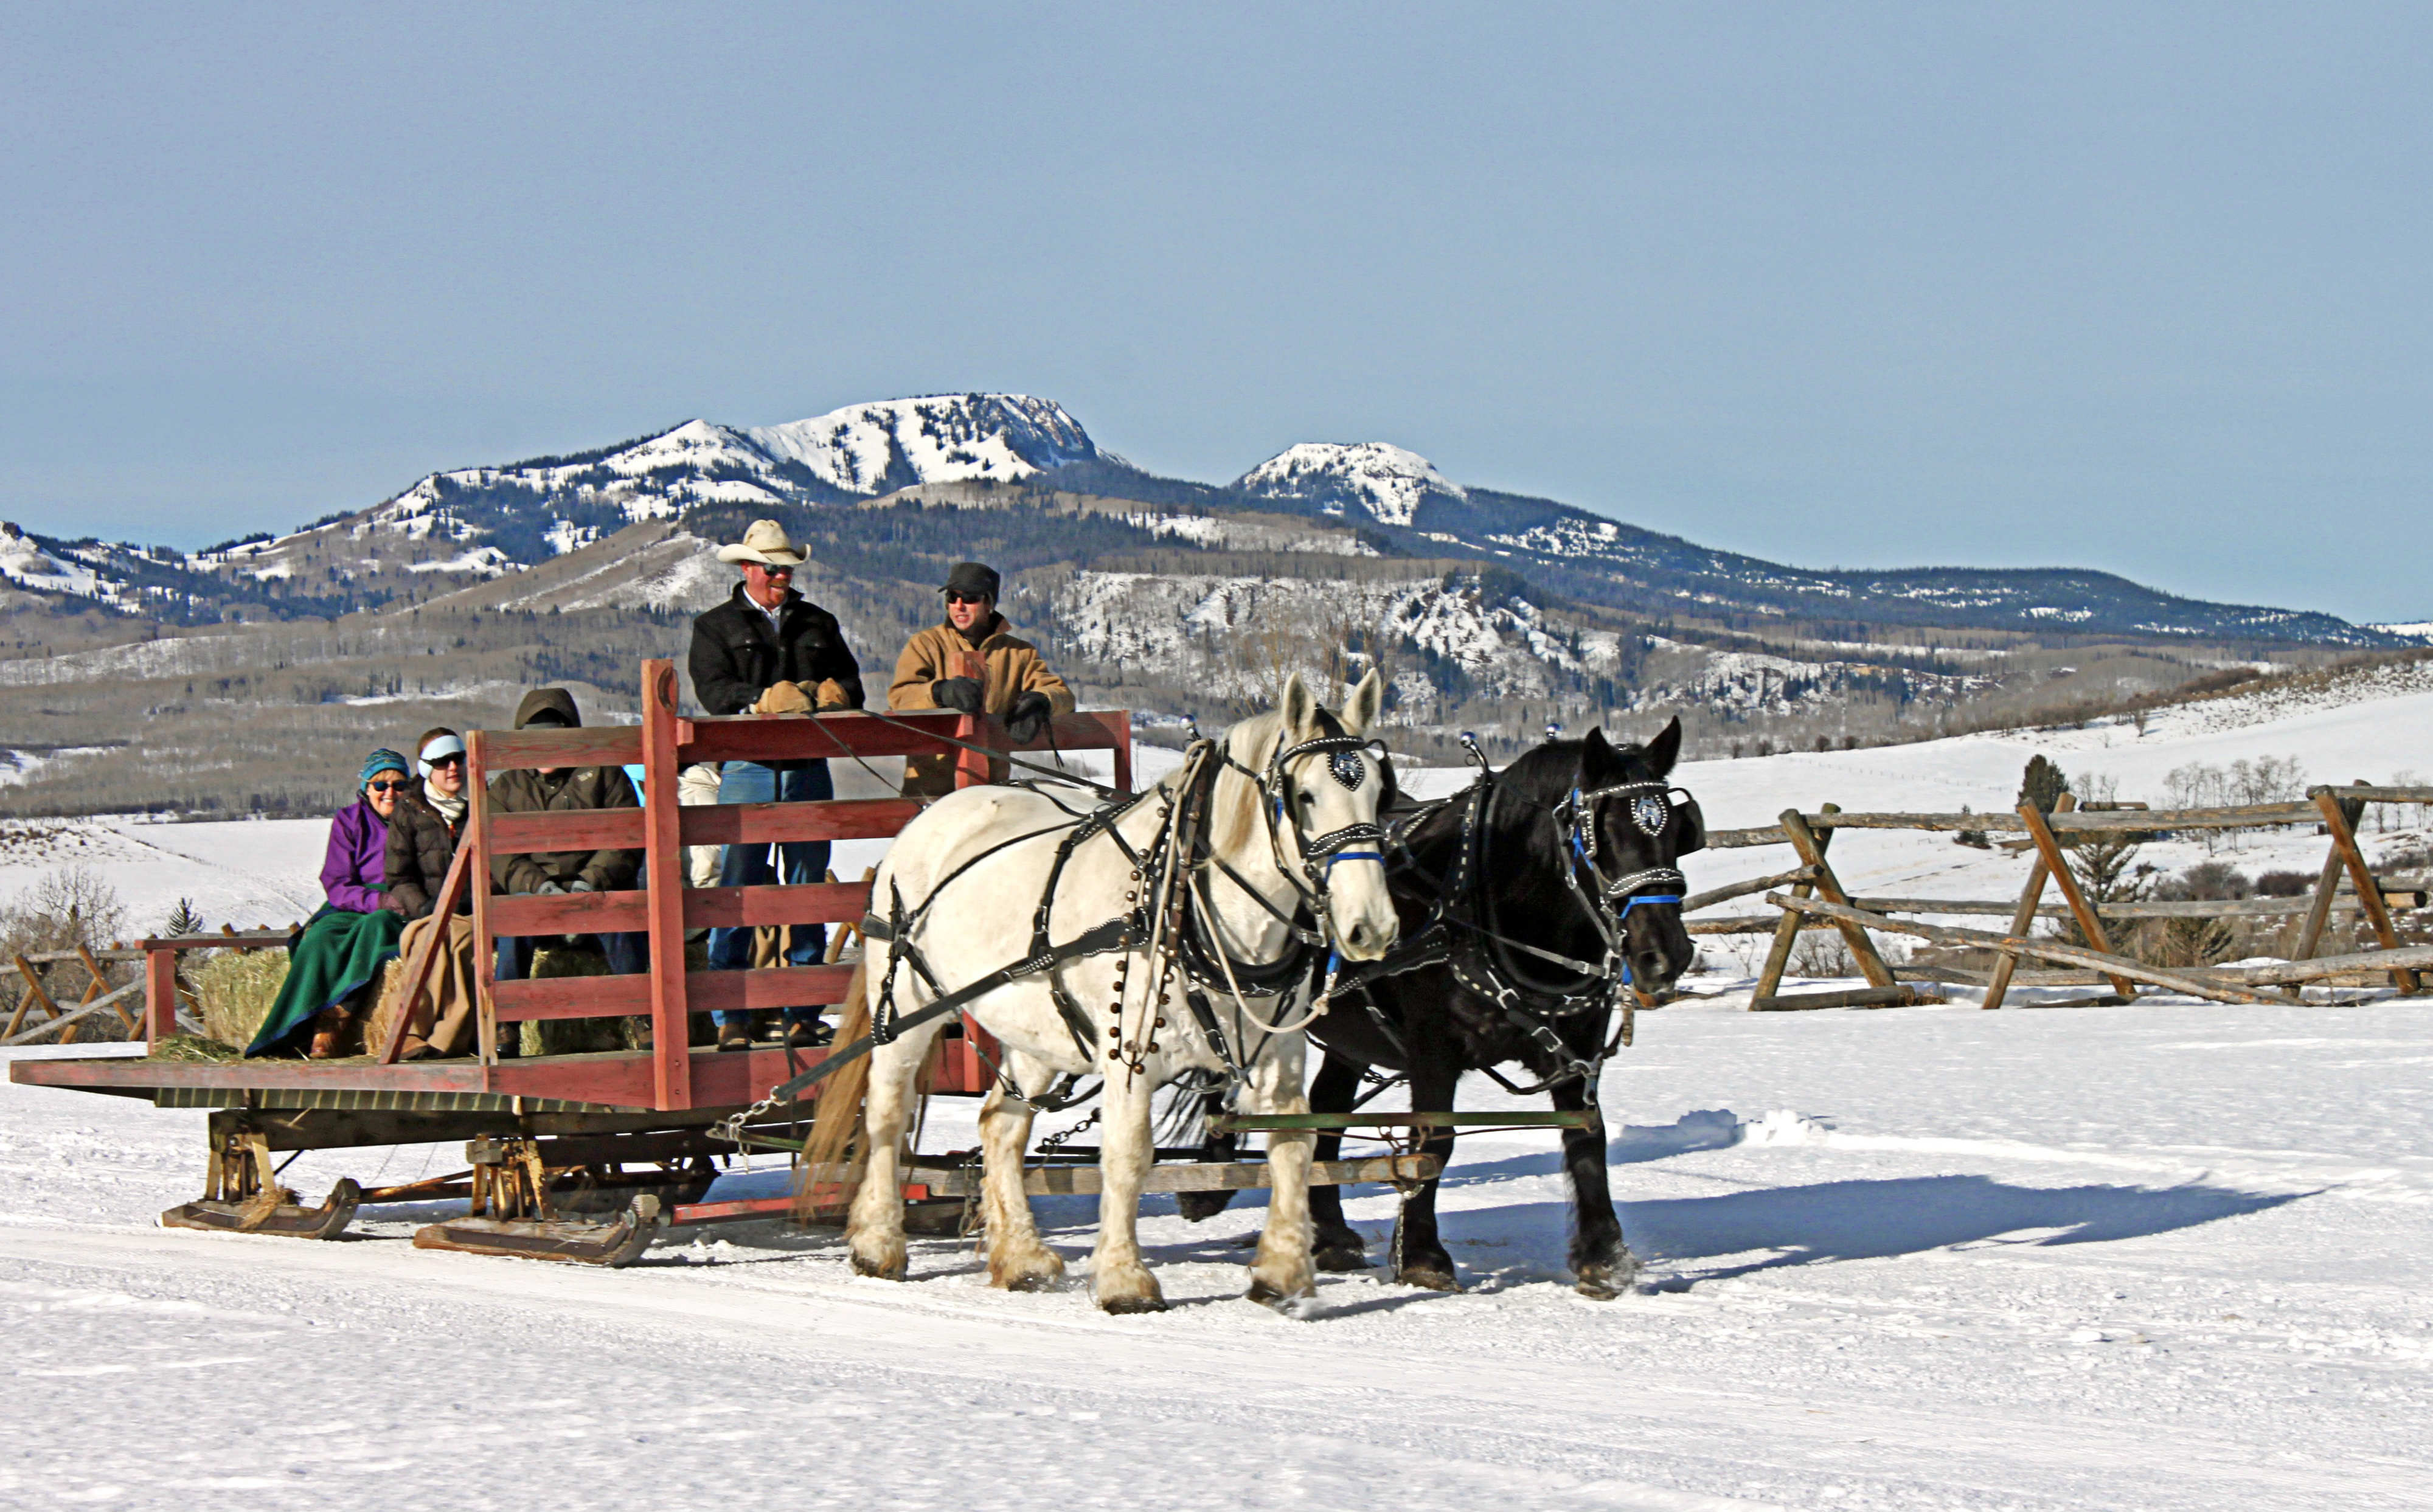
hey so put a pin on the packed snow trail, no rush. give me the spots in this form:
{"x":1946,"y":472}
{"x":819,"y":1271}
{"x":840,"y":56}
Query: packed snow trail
{"x":2164,"y":1256}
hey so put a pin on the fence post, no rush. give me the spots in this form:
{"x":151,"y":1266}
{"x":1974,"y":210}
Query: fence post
{"x":2057,"y":867}
{"x":1811,"y":851}
{"x":2369,"y":891}
{"x":1786,"y":929}
{"x":2024,"y":918}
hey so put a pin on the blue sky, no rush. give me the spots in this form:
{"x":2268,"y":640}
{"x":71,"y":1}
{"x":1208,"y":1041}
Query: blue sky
{"x":2142,"y":288}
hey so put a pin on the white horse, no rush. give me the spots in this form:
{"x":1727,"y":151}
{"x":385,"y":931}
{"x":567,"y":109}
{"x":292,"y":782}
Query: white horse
{"x":1313,"y":811}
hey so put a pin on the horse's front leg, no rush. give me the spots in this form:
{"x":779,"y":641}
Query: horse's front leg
{"x":1338,"y":1245}
{"x":1017,"y":1260}
{"x":1117,"y":1278}
{"x":1602,"y":1264}
{"x":1281,"y":1271}
{"x":1420,"y":1257}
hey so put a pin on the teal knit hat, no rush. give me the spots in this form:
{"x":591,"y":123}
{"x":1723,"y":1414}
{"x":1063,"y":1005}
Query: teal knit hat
{"x":383,"y":760}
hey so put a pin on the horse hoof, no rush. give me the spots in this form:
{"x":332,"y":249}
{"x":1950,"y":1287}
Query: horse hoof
{"x":1430,"y":1278}
{"x":1336,"y":1257}
{"x":878,"y":1268}
{"x":1126,"y":1306}
{"x":1036,"y":1282}
{"x":1276,"y":1300}
{"x":1602,"y":1282}
{"x":1198,"y":1207}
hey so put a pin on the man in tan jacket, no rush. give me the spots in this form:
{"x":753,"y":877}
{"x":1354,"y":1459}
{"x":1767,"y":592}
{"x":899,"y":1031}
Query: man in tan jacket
{"x":974,"y":663}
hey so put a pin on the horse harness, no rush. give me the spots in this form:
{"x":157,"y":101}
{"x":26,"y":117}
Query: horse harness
{"x":1486,"y":961}
{"x":1165,"y":910}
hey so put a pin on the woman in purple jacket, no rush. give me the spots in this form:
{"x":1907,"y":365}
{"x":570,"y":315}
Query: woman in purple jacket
{"x":341,"y":950}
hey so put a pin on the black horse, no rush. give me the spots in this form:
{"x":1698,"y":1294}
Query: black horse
{"x":1531,"y":905}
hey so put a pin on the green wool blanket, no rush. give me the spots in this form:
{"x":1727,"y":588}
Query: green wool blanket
{"x":337,"y":953}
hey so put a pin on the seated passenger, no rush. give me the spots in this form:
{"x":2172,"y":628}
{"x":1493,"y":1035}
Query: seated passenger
{"x":767,"y":650}
{"x":561,"y":789}
{"x":423,"y":836}
{"x":974,"y":663}
{"x":341,"y":950}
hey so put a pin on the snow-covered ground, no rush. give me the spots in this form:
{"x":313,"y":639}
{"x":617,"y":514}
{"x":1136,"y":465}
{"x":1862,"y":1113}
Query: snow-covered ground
{"x":2165,"y":1257}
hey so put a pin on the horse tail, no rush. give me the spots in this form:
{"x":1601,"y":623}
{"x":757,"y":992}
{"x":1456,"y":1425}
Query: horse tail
{"x":832,"y":1161}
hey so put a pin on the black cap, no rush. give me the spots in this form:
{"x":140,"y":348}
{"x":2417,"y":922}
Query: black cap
{"x":972,"y":581}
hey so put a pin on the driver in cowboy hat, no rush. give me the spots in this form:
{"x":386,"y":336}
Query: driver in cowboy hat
{"x":973,"y":662}
{"x":767,"y":650}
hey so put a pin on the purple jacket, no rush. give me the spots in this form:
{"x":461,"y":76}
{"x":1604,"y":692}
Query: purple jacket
{"x":357,"y":862}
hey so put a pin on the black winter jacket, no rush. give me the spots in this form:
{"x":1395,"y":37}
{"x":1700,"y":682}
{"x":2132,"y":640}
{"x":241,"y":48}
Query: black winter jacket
{"x":421,"y":843}
{"x":735,"y":658}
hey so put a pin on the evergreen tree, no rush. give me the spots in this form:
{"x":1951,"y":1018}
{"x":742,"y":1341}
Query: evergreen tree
{"x":2043,"y":785}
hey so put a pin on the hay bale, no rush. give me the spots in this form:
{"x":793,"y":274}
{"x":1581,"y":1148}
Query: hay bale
{"x":234,"y":989}
{"x":386,"y":1007}
{"x":572,"y":1036}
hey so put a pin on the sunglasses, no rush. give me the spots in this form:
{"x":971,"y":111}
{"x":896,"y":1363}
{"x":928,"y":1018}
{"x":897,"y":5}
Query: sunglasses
{"x":386,"y":787}
{"x":960,"y":598}
{"x":767,"y":570}
{"x":456,"y":760}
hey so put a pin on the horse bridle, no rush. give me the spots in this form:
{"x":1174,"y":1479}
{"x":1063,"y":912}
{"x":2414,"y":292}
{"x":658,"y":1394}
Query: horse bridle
{"x":1577,"y":815}
{"x":1332,"y":847}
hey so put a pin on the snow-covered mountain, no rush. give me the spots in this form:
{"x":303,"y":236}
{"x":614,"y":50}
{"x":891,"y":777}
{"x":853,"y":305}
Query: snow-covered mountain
{"x":1384,"y":481}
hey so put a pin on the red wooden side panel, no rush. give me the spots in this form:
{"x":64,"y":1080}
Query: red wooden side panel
{"x":575,"y":830}
{"x":160,"y":994}
{"x":708,"y":991}
{"x":769,"y":824}
{"x":606,"y":745}
{"x":664,"y":862}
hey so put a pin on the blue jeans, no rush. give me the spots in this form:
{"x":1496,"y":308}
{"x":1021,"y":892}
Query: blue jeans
{"x":790,"y":782}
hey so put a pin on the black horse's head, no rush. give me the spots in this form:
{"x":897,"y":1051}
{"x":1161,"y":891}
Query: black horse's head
{"x":1628,"y":829}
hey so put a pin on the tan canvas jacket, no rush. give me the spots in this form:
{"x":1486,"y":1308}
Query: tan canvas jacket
{"x":1004,"y":664}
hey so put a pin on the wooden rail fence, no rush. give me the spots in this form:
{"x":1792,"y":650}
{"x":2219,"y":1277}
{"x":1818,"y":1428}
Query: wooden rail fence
{"x":1811,"y":896}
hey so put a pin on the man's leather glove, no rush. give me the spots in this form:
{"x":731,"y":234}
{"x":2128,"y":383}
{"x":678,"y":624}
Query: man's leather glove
{"x":579,"y":885}
{"x":832,"y":695}
{"x":783,"y":698}
{"x":957,"y":692}
{"x":1029,"y":716}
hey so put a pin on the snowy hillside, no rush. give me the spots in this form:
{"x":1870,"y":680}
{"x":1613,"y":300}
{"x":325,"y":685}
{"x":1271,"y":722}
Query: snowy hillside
{"x":1387,"y":481}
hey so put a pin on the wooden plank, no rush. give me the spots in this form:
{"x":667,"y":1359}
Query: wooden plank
{"x":1747,"y":924}
{"x":1741,"y":890}
{"x":707,"y":991}
{"x":2365,"y":793}
{"x":846,"y":733}
{"x":2336,"y":821}
{"x":1900,"y":995}
{"x":664,"y":861}
{"x":417,"y":968}
{"x":2318,"y":909}
{"x":2057,"y":869}
{"x":2105,"y":821}
{"x":751,"y":906}
{"x":256,"y":940}
{"x":2112,"y":966}
{"x":476,"y":838}
{"x":1735,"y":839}
{"x":599,"y":745}
{"x":560,"y":913}
{"x":1829,"y":887}
{"x":777,"y":823}
{"x":1518,"y":1118}
{"x":570,"y":829}
{"x":2406,"y":957}
{"x":160,"y":995}
{"x":2023,"y":917}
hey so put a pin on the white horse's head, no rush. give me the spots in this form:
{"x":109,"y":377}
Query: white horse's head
{"x":1314,"y":817}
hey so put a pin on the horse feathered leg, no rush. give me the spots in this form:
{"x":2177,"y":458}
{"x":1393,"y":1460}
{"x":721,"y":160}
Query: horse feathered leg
{"x":1281,"y":1271}
{"x":1017,"y":1260}
{"x":1337,"y":1246}
{"x":1420,"y":1257}
{"x":1602,"y":1264}
{"x":1117,"y":1278}
{"x":874,"y":1233}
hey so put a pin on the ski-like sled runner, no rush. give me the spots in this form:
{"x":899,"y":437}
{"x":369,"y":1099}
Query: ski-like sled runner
{"x":579,"y":1157}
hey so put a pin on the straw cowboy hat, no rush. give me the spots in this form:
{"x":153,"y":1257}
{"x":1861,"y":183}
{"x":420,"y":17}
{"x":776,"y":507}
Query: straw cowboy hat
{"x":765,"y":542}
